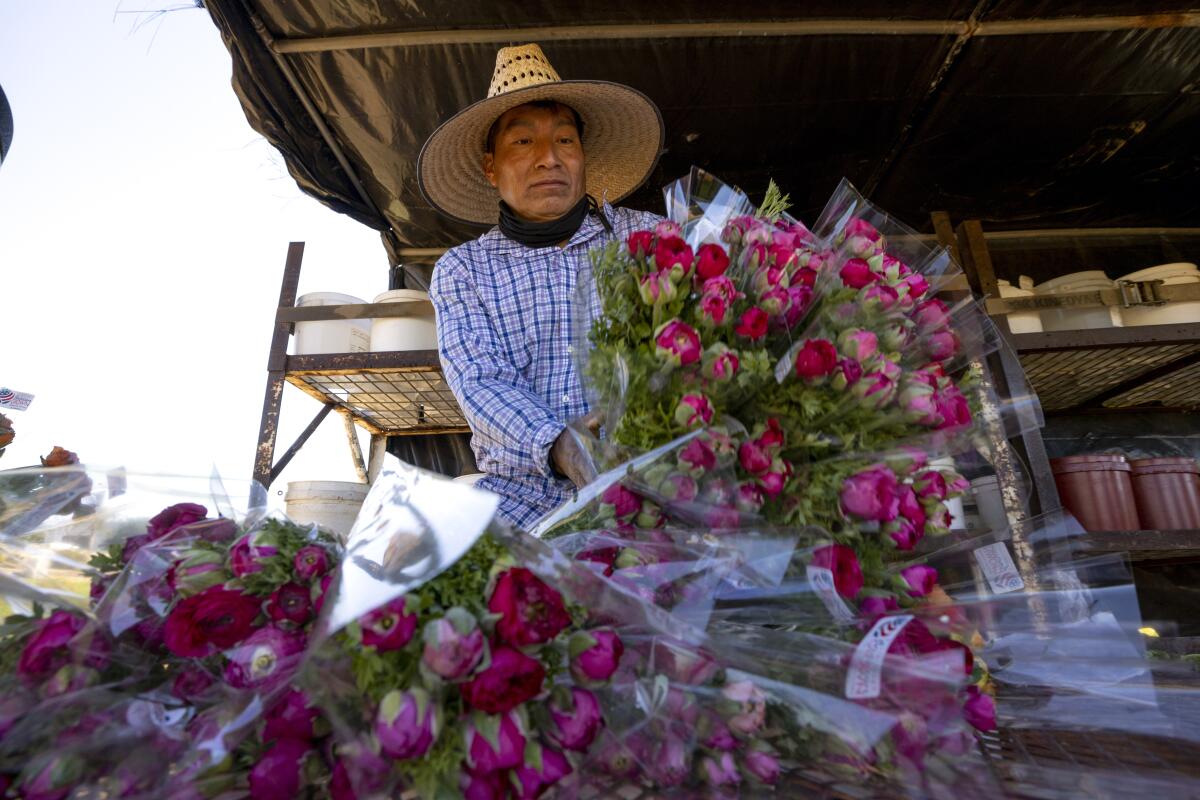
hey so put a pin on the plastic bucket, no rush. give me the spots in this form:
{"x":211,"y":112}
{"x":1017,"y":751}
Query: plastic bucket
{"x":1097,"y":489}
{"x":1020,"y":321}
{"x":332,"y":505}
{"x":1169,"y":313}
{"x":1073,"y":319}
{"x":417,"y":332}
{"x":334,"y":335}
{"x":989,"y":504}
{"x":1167,"y":491}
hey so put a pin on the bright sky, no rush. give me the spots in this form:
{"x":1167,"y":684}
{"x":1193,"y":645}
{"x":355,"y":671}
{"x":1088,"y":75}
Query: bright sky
{"x":143,"y":228}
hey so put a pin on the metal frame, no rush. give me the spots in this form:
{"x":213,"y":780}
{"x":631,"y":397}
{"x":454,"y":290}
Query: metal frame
{"x":283,"y":369}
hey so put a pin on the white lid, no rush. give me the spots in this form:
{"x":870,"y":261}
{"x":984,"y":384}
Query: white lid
{"x":328,"y":299}
{"x":397,"y":295}
{"x":1076,"y":282}
{"x":1180,"y":269}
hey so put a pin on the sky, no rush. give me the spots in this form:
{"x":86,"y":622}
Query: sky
{"x":143,"y":229}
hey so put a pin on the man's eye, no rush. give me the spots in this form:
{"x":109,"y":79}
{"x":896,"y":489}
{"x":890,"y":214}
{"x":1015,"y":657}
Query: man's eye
{"x":567,"y":140}
{"x":522,"y":141}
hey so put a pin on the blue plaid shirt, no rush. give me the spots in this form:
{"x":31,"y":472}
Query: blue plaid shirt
{"x":506,"y":338}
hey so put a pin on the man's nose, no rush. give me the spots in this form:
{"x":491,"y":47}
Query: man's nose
{"x":545,"y":155}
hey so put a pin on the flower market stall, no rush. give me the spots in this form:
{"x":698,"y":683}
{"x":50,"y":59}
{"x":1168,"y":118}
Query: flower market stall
{"x":826,"y":552}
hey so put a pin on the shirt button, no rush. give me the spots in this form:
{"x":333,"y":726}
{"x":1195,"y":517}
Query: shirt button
{"x":566,"y":398}
{"x":570,"y":349}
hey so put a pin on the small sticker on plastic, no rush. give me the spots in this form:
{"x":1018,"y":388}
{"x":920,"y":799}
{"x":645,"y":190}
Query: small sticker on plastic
{"x":821,"y":579}
{"x":999,"y":569}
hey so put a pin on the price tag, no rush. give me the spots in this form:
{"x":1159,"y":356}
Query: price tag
{"x":17,"y":401}
{"x":998,"y":568}
{"x":821,"y":579}
{"x":866,"y":665}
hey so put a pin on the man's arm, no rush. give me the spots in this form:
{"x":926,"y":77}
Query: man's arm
{"x":516,"y":426}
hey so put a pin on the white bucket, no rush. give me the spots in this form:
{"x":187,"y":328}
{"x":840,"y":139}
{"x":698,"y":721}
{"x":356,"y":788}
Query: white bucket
{"x":989,"y":504}
{"x":471,"y":479}
{"x":334,"y":335}
{"x":1020,"y":321}
{"x":332,"y":505}
{"x":1074,"y":319}
{"x":1170,"y":313}
{"x":417,"y":332}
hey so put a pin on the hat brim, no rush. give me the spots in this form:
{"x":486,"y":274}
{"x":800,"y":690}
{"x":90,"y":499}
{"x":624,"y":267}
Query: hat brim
{"x":623,"y":138}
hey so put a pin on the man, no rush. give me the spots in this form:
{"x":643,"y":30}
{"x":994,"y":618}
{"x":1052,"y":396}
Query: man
{"x":506,"y":301}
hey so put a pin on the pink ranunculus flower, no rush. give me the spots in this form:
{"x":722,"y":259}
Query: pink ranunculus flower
{"x":857,"y":344}
{"x":680,"y":488}
{"x":714,"y":309}
{"x":673,"y":256}
{"x":856,"y":273}
{"x":775,"y":479}
{"x":847,"y":373}
{"x":246,"y":555}
{"x":941,"y":345}
{"x":656,"y":288}
{"x":870,"y":608}
{"x":697,"y":457}
{"x":816,"y":360}
{"x":173,"y":517}
{"x":904,"y":533}
{"x":736,"y":229}
{"x":292,"y":603}
{"x":953,"y":408}
{"x":693,"y":411}
{"x":931,"y":315}
{"x":625,"y":505}
{"x":753,"y":324}
{"x":196,"y":571}
{"x":640,"y":243}
{"x":754,"y":457}
{"x":879,"y":297}
{"x":917,"y":286}
{"x":389,"y":627}
{"x":722,"y":287}
{"x":536,"y":781}
{"x":319,"y":589}
{"x":872,"y":494}
{"x":507,"y":753}
{"x":980,"y":710}
{"x":843,"y":563}
{"x":874,"y":390}
{"x":931,"y":485}
{"x":920,"y":579}
{"x":857,"y":226}
{"x":667,"y":228}
{"x":278,"y":773}
{"x":265,"y":659}
{"x":407,"y":723}
{"x":711,"y":262}
{"x":750,"y":497}
{"x":678,"y":343}
{"x":919,"y":404}
{"x":762,"y":765}
{"x":670,"y":763}
{"x":575,"y":726}
{"x":717,"y":735}
{"x":52,"y":646}
{"x":751,"y":707}
{"x":910,"y":506}
{"x":595,"y":655}
{"x":774,"y":301}
{"x":310,"y":562}
{"x":799,"y":299}
{"x":454,"y":645}
{"x":720,"y":770}
{"x":292,"y":717}
{"x":937,"y":519}
{"x":782,"y":254}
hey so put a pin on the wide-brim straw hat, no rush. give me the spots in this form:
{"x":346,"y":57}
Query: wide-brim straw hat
{"x":622,"y":136}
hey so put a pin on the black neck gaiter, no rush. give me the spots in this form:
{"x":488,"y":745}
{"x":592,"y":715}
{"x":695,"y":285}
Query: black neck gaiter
{"x":546,"y":234}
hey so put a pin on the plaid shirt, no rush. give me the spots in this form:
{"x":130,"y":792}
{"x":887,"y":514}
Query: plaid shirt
{"x":506,"y":337}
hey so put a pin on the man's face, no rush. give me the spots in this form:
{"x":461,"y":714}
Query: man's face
{"x":537,"y":165}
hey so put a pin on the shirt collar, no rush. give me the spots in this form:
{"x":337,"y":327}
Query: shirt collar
{"x":496,"y":242}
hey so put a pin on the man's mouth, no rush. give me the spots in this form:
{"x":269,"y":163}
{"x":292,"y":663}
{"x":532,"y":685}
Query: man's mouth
{"x":548,"y":184}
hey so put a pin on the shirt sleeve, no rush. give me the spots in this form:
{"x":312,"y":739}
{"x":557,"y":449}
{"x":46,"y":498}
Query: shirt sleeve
{"x":509,"y":420}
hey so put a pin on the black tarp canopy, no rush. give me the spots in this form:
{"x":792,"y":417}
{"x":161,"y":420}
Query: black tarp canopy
{"x":1021,"y":113}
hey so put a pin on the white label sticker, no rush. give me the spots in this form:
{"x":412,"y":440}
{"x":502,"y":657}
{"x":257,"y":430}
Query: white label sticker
{"x":866,"y":665}
{"x":17,"y":401}
{"x":998,"y":568}
{"x":821,"y":579}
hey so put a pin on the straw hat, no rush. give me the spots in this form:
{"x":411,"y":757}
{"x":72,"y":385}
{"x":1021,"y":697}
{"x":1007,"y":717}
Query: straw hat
{"x":623,"y":136}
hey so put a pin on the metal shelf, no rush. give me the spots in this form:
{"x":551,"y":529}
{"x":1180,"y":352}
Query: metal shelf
{"x":1145,"y":546}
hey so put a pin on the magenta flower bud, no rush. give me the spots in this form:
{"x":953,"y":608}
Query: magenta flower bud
{"x":247,"y":554}
{"x":874,"y":390}
{"x":536,"y":779}
{"x":910,"y":506}
{"x":872,"y":494}
{"x":903,"y":533}
{"x":754,"y":457}
{"x":919,"y":404}
{"x":693,"y":410}
{"x":720,"y":770}
{"x":595,"y":655}
{"x":856,"y":274}
{"x":941,"y":345}
{"x":846,"y":374}
{"x":575,"y":727}
{"x":762,"y":765}
{"x":197,"y":571}
{"x":52,"y":780}
{"x":774,"y":301}
{"x":840,"y":560}
{"x":711,"y":262}
{"x":319,"y":589}
{"x":666,"y":229}
{"x":980,"y":710}
{"x":640,"y":243}
{"x":879,"y":297}
{"x":682,"y":707}
{"x":623,"y":504}
{"x":857,"y":344}
{"x":292,"y":717}
{"x":937,"y":519}
{"x":750,"y":707}
{"x":677,"y":343}
{"x":278,"y":773}
{"x":720,"y":364}
{"x":494,"y":748}
{"x":752,"y":324}
{"x":750,"y":497}
{"x":931,"y":485}
{"x":775,"y":479}
{"x":290,"y":603}
{"x":407,"y":723}
{"x":920,"y":579}
{"x":680,"y":488}
{"x":388,"y":627}
{"x":454,"y":645}
{"x":816,"y":360}
{"x":310,"y":561}
{"x":931,"y":315}
{"x":68,"y":679}
{"x":670,"y":764}
{"x":697,"y":457}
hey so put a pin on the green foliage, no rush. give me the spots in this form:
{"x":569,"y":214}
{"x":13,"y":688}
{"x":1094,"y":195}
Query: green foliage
{"x":774,"y":203}
{"x":109,"y":561}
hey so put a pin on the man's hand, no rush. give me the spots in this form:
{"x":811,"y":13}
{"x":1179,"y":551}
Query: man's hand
{"x":570,"y":457}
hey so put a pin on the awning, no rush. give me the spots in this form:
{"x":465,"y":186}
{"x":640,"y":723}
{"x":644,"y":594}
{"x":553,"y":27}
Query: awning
{"x":1023,"y":114}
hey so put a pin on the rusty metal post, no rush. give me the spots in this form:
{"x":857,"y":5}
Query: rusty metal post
{"x":268,"y":428}
{"x":360,"y":468}
{"x":375,"y":458}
